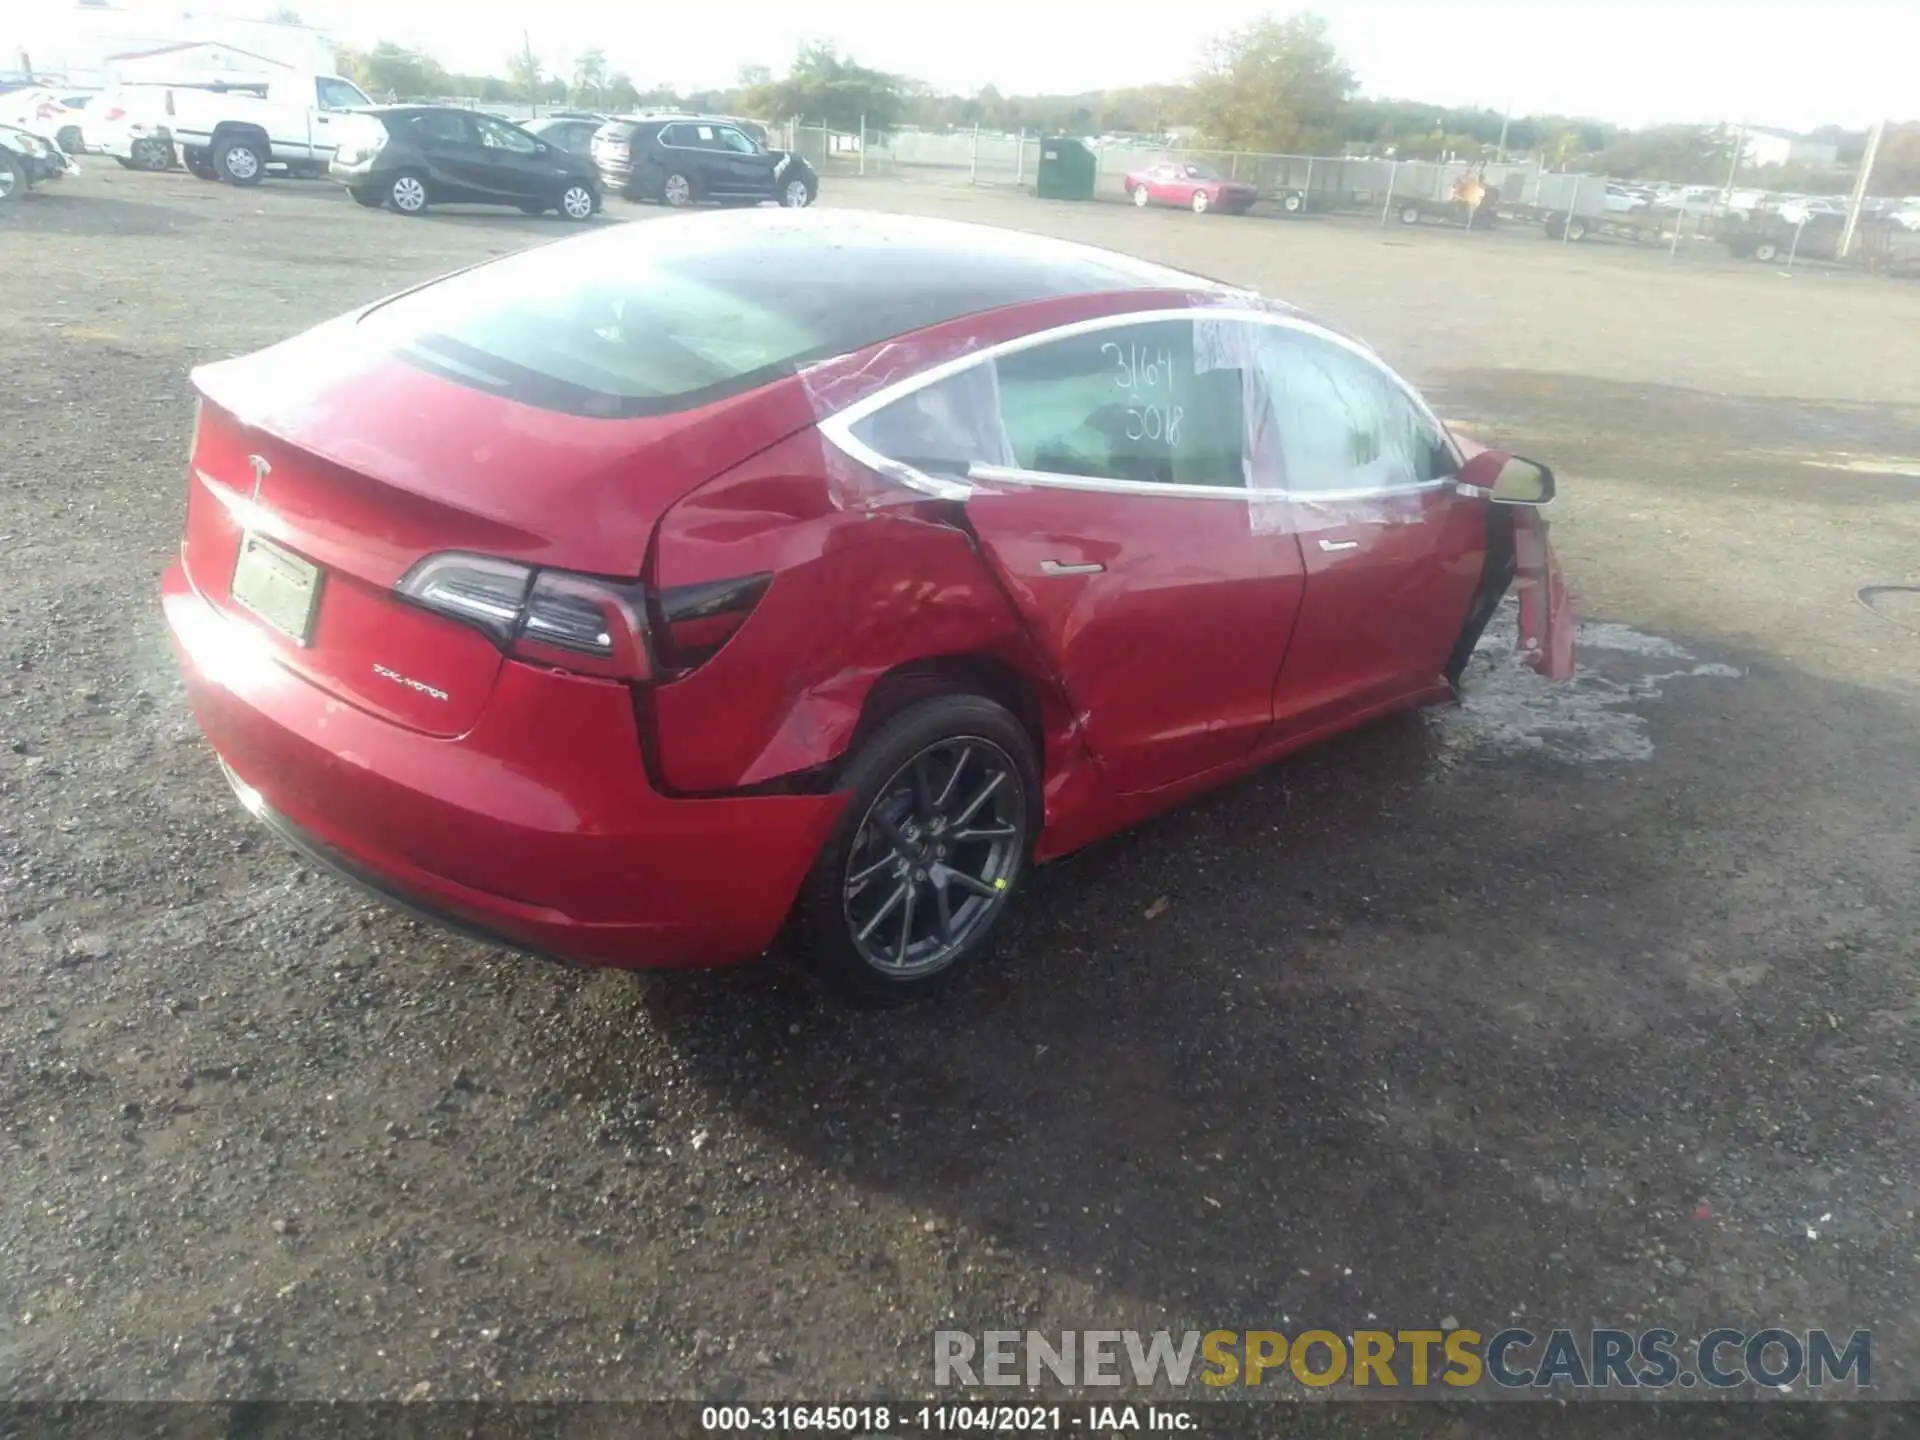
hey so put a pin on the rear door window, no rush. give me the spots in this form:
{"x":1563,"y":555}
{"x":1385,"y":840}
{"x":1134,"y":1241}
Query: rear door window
{"x":1121,"y":404}
{"x":441,"y":127}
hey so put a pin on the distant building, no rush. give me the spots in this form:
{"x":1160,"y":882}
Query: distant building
{"x":90,"y":45}
{"x":1764,"y":146}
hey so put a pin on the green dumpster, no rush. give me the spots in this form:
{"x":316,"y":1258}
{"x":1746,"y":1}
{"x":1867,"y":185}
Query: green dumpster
{"x":1067,"y":170}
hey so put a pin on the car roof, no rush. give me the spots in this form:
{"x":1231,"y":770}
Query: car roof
{"x":908,"y":272}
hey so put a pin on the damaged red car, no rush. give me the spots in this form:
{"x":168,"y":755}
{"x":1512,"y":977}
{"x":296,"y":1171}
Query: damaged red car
{"x":646,"y":597}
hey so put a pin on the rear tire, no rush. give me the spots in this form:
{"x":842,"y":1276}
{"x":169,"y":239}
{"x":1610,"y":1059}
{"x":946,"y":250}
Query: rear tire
{"x":577,"y":202}
{"x":870,"y":916}
{"x":1141,"y":199}
{"x":1766,"y":251}
{"x":239,"y":161}
{"x":1294,"y":203}
{"x":677,"y":190}
{"x":1577,"y":229}
{"x":13,"y":181}
{"x":1409,"y":214}
{"x":1200,"y":203}
{"x":407,"y":193}
{"x":199,"y":165}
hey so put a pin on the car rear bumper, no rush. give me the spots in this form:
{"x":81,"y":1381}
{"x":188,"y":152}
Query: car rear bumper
{"x":538,"y":828}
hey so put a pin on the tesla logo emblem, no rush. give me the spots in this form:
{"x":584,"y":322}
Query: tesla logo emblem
{"x":261,"y":469}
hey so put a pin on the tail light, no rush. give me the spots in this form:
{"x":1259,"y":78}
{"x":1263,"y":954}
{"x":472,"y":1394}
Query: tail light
{"x":615,"y":149}
{"x":116,"y":113}
{"x":581,"y":622}
{"x":696,"y":620}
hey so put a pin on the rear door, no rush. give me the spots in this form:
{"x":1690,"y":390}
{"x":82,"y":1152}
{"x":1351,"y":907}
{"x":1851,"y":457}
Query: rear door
{"x":682,"y":151}
{"x":1109,"y":498}
{"x":450,"y":147}
{"x":1393,"y":554}
{"x":511,"y":165}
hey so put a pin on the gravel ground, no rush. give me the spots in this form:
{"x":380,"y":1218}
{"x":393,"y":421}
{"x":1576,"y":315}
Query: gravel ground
{"x":1587,"y":1005}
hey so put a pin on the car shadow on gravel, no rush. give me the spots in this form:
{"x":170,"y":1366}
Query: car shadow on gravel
{"x":47,"y":211}
{"x":1399,"y":1030}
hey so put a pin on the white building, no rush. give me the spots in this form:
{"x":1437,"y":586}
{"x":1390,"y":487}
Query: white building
{"x":89,"y":45}
{"x":1764,"y":146}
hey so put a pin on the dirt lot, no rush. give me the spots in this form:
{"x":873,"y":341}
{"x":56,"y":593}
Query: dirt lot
{"x":1595,"y":1005}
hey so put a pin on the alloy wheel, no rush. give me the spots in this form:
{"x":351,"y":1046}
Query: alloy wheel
{"x":1200,"y":202}
{"x":577,"y":202}
{"x":1141,"y":197}
{"x":242,"y":163}
{"x":7,"y":179}
{"x":678,"y":191}
{"x":795,"y":196}
{"x":409,"y":195}
{"x":935,"y":857}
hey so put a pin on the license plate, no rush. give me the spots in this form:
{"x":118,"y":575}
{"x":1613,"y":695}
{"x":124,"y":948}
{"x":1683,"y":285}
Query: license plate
{"x":278,"y":586}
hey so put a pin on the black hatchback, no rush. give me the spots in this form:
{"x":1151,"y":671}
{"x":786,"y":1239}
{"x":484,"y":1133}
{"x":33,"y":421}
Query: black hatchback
{"x":411,"y":156}
{"x":689,"y":159}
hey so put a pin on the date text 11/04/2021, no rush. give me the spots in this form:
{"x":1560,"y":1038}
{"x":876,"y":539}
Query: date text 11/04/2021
{"x":960,"y":1418}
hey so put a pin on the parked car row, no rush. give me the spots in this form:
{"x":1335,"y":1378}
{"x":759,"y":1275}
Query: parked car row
{"x":28,"y":159}
{"x":410,"y":157}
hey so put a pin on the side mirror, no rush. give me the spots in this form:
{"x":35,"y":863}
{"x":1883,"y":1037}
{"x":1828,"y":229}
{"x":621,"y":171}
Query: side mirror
{"x":1507,"y":479}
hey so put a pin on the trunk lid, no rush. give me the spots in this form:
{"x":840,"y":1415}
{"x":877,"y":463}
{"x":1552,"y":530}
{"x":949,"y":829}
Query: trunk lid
{"x":335,"y":454}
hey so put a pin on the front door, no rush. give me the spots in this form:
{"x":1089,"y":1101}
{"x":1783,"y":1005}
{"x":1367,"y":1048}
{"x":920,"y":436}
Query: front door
{"x":1109,"y":498}
{"x":1392,"y":553}
{"x":511,"y":165}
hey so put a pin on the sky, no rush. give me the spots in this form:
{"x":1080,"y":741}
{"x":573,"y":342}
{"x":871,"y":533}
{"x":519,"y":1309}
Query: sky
{"x":1633,"y":62}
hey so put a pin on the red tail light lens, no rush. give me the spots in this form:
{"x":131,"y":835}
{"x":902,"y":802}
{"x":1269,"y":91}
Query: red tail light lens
{"x":116,"y":113}
{"x":583,"y":623}
{"x":572,"y":622}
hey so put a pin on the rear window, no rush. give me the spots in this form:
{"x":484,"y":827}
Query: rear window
{"x":634,"y":334}
{"x":652,"y":319}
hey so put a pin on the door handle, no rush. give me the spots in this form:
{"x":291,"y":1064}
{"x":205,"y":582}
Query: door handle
{"x":1054,"y":567}
{"x":1339,"y":544}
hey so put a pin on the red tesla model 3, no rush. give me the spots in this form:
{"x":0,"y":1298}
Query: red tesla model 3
{"x":638,"y":598}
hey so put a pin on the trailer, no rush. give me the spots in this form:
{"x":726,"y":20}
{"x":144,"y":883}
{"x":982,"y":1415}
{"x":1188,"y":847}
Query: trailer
{"x":1450,"y":193}
{"x":1640,"y":227}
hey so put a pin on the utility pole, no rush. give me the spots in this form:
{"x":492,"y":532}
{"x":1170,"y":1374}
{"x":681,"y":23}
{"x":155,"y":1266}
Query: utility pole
{"x":533,"y":73}
{"x":1733,"y":169}
{"x":1860,"y":186}
{"x":1505,"y":120}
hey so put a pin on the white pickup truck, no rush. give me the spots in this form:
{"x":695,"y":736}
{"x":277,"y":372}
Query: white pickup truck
{"x":234,"y":130}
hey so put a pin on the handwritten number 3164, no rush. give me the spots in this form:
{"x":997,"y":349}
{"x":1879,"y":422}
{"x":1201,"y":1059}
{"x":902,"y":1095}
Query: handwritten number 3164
{"x":1137,"y":368}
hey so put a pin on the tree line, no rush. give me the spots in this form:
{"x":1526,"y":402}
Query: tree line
{"x":1277,"y":85}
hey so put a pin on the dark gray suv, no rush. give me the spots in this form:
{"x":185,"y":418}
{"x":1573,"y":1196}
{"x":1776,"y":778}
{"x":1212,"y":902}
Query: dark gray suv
{"x":692,"y":159}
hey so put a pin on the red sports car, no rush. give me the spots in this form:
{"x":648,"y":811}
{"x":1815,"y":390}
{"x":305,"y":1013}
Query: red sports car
{"x":1193,"y":187}
{"x":638,"y":598}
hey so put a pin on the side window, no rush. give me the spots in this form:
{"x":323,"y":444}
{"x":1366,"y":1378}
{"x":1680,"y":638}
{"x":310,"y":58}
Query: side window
{"x":496,"y":136}
{"x":1115,"y":404}
{"x":679,"y":135}
{"x":1124,"y":404}
{"x":337,"y":94}
{"x":441,"y":127}
{"x":1334,"y":420}
{"x":732,"y":139}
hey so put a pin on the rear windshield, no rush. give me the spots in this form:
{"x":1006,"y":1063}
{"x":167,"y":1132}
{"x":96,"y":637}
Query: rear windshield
{"x":663,"y":316}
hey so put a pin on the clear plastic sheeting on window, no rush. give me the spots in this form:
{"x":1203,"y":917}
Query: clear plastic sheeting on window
{"x":918,"y":445}
{"x":1229,"y":346}
{"x":941,"y":431}
{"x":1338,"y":435}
